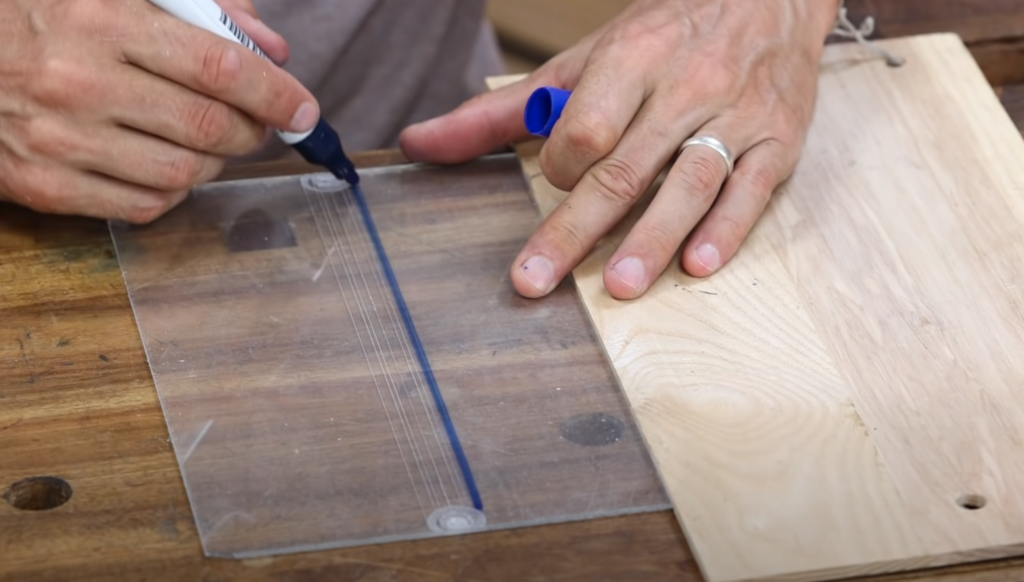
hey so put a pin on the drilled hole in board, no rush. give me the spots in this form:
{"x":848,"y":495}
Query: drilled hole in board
{"x":971,"y":501}
{"x":38,"y":493}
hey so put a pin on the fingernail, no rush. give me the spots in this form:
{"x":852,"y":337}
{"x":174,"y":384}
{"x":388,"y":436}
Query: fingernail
{"x":631,"y":271}
{"x":539,"y":271}
{"x":708,"y":257}
{"x":305,"y":118}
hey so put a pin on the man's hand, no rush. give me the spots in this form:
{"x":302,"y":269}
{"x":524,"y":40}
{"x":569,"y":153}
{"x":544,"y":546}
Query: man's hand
{"x":742,"y":71}
{"x":115,"y":109}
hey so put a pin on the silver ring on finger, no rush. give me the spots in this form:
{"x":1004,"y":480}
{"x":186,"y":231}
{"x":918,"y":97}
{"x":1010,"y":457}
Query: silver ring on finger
{"x":713,"y":143}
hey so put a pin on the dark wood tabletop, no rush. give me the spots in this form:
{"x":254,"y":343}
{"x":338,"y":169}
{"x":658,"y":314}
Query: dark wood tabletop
{"x":77,"y":402}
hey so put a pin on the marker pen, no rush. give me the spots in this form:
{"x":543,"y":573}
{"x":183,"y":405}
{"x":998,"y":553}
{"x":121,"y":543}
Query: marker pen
{"x":320,"y":145}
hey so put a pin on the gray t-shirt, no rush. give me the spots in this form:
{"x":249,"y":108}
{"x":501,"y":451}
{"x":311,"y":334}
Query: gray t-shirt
{"x":377,"y":66}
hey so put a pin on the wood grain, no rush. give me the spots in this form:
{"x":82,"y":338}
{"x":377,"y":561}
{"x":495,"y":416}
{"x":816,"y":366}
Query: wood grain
{"x":77,"y":401}
{"x":98,"y":423}
{"x":829,"y":403}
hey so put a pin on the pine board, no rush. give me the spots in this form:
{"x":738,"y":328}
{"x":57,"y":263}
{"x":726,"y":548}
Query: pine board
{"x":817,"y":409}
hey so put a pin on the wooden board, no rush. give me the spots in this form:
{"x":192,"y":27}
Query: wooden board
{"x":993,"y":29}
{"x":829,"y":403}
{"x":77,"y":402}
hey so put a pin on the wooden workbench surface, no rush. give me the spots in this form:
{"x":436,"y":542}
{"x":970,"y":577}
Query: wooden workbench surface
{"x":77,"y":401}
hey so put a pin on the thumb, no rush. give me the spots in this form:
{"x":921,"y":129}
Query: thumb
{"x":244,"y":14}
{"x":477,"y":127}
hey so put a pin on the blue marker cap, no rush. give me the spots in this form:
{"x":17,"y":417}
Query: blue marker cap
{"x":544,"y":108}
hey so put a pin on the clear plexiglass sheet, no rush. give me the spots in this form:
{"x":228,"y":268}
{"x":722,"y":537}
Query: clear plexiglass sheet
{"x":297,"y":402}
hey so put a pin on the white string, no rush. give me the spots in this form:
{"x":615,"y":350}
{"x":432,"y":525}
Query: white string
{"x":362,"y":308}
{"x":355,"y":269}
{"x":843,"y":27}
{"x":422,"y":391}
{"x":372,"y":305}
{"x":355,"y":223}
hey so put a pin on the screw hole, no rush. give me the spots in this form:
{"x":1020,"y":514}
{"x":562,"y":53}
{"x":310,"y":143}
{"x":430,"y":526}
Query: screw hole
{"x":38,"y":493}
{"x":971,"y":501}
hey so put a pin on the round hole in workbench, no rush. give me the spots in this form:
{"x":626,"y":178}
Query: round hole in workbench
{"x":38,"y":493}
{"x":971,"y":501}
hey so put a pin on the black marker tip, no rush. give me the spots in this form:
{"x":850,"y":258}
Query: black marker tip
{"x":323,"y":148}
